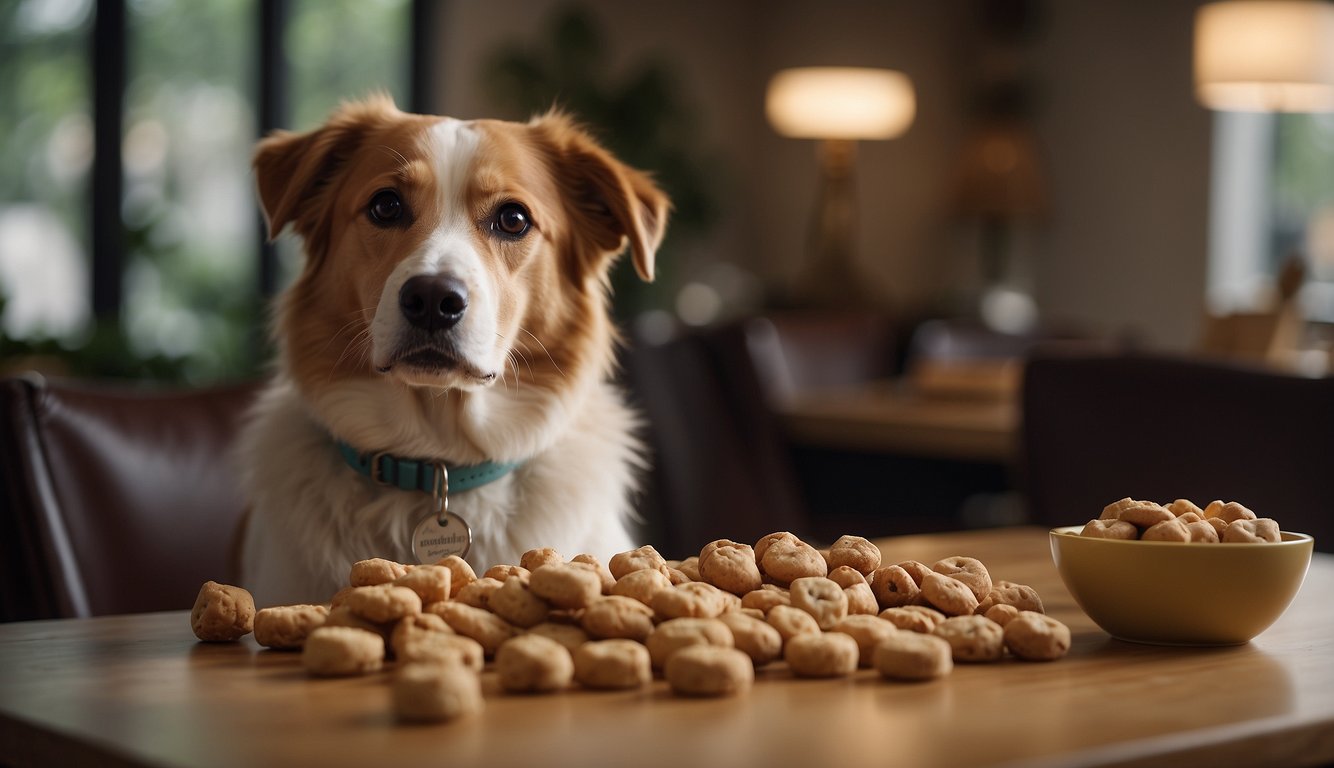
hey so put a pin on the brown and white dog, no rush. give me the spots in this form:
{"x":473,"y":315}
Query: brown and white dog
{"x":452,"y":307}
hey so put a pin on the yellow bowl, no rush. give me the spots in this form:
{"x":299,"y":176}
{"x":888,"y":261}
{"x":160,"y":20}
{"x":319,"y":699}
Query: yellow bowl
{"x":1171,"y":593}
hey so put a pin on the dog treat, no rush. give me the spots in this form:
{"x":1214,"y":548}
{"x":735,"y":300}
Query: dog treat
{"x":502,"y":572}
{"x":1113,"y":511}
{"x":618,"y":616}
{"x":222,"y":613}
{"x":383,"y":603}
{"x":729,"y":566}
{"x":913,"y":656}
{"x":443,"y":648}
{"x":861,"y":600}
{"x":1110,"y":529}
{"x":375,"y":571}
{"x":913,"y":618}
{"x":604,"y":573}
{"x":1021,"y":596}
{"x":514,"y":602}
{"x":893,"y":586}
{"x":846,"y":576}
{"x":675,"y":634}
{"x":790,"y":621}
{"x":341,"y":651}
{"x":1251,"y":531}
{"x":823,"y":654}
{"x":1204,"y":532}
{"x":916,"y":569}
{"x":642,"y":585}
{"x":646,"y":557}
{"x":690,"y":567}
{"x":948,"y":595}
{"x":868,"y":631}
{"x":342,"y":616}
{"x":1183,"y":507}
{"x":1168,"y":530}
{"x":612,"y":665}
{"x":285,"y":627}
{"x":788,"y":558}
{"x":1232,"y":512}
{"x":968,"y":570}
{"x":1001,"y":613}
{"x":821,"y":598}
{"x":478,"y":592}
{"x":1145,"y":514}
{"x":339,"y":597}
{"x":429,"y":693}
{"x":566,"y":585}
{"x":694,"y":598}
{"x":754,"y":637}
{"x":533,"y":664}
{"x":430,"y":582}
{"x":536,"y":558}
{"x":1190,"y":517}
{"x":1035,"y":637}
{"x":569,"y":635}
{"x":486,"y":628}
{"x":413,"y":629}
{"x":709,"y":670}
{"x":765,"y":598}
{"x":461,"y":574}
{"x":856,"y":553}
{"x":972,"y":638}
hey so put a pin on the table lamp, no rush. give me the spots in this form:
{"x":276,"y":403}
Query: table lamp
{"x":1265,"y":55}
{"x":839,"y":106}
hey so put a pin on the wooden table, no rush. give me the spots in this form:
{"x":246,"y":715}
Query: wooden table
{"x":889,"y":417}
{"x":138,"y":690}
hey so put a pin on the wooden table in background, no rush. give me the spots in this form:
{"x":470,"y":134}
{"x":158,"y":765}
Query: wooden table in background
{"x":138,"y":690}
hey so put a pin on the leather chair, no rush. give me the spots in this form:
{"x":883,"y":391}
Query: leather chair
{"x":115,"y":500}
{"x":1098,"y":428}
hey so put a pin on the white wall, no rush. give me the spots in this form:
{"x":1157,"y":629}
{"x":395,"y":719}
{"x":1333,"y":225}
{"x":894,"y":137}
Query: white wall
{"x":1127,"y":149}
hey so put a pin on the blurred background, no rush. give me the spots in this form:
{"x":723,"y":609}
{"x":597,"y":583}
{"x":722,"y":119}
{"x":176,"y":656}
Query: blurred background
{"x":1048,"y":174}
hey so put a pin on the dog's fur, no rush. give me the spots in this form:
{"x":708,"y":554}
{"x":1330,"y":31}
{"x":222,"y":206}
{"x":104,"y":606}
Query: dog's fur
{"x":525,"y":375}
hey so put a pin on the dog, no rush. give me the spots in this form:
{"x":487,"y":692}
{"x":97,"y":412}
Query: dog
{"x":450,"y":320}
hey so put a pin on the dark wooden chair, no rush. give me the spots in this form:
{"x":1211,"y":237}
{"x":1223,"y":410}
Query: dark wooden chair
{"x":115,"y":500}
{"x":1098,"y":428}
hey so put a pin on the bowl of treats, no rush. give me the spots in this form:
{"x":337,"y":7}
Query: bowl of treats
{"x":1179,"y":574}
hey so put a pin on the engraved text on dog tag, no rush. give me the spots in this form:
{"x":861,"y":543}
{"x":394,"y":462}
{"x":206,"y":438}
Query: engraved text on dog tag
{"x":433,"y":541}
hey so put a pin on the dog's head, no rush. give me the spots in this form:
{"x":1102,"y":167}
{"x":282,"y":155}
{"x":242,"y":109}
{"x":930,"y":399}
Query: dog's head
{"x":451,"y":255}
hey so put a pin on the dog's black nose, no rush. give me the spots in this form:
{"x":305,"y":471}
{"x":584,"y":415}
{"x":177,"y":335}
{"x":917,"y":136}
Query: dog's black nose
{"x":433,"y":302}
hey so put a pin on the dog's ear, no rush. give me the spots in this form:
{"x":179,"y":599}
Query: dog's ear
{"x":293,"y":171}
{"x":612,"y":201}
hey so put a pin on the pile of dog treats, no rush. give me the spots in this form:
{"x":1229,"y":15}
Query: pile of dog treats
{"x":1182,"y":521}
{"x":705,"y":623}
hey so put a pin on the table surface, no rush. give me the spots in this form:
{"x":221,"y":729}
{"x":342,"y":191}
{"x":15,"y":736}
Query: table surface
{"x":138,"y":690}
{"x":893,"y":417}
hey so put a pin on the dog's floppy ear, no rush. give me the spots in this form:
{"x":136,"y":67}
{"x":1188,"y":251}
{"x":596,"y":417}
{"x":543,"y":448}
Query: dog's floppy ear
{"x":293,"y":170}
{"x":613,"y":201}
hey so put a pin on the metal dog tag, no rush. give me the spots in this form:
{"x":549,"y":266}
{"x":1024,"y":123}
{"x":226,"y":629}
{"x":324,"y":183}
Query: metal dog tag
{"x":439,"y":536}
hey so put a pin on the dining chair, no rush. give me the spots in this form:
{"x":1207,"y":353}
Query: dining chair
{"x":115,"y":499}
{"x":1101,"y":427}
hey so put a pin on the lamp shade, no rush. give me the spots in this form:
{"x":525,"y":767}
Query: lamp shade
{"x":840,"y":103}
{"x":1265,"y":55}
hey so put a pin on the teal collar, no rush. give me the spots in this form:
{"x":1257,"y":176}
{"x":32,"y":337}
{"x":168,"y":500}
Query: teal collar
{"x":433,"y":477}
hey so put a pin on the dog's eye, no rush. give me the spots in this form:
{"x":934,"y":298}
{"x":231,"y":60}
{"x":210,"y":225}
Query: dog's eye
{"x":386,"y":208}
{"x":511,"y":220}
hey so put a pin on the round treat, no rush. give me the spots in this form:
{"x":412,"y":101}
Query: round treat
{"x":222,"y":613}
{"x":342,"y":617}
{"x":514,"y":602}
{"x":856,"y":553}
{"x":604,"y":574}
{"x":671,"y":636}
{"x":765,"y":598}
{"x":336,"y":651}
{"x":642,"y":585}
{"x":566,"y":585}
{"x":972,"y":638}
{"x":501,"y":573}
{"x":1035,"y":637}
{"x":568,"y":635}
{"x":916,"y":569}
{"x":486,"y":628}
{"x":1113,"y":511}
{"x":914,"y":618}
{"x":861,"y":600}
{"x":460,"y":574}
{"x":430,"y":582}
{"x":1248,"y":531}
{"x":412,"y":629}
{"x":694,"y":599}
{"x":1232,"y":512}
{"x":822,"y":598}
{"x":1145,"y":514}
{"x":646,"y":557}
{"x":1203,"y":531}
{"x":968,"y":570}
{"x":478,"y":592}
{"x":788,"y":558}
{"x":791,"y":622}
{"x":913,"y":656}
{"x":730,"y":566}
{"x":533,"y":664}
{"x":868,"y":631}
{"x":375,"y":571}
{"x":285,"y":627}
{"x":1167,"y":530}
{"x":1182,"y":507}
{"x":1110,"y":529}
{"x":383,"y":603}
{"x":825,"y":654}
{"x":689,"y":567}
{"x":709,"y":670}
{"x":612,"y":665}
{"x":1021,"y":596}
{"x":443,"y":648}
{"x":893,"y":586}
{"x":754,"y":637}
{"x":1001,"y":613}
{"x":846,"y":576}
{"x":616,"y":616}
{"x":536,"y":558}
{"x":948,"y":595}
{"x":430,"y":693}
